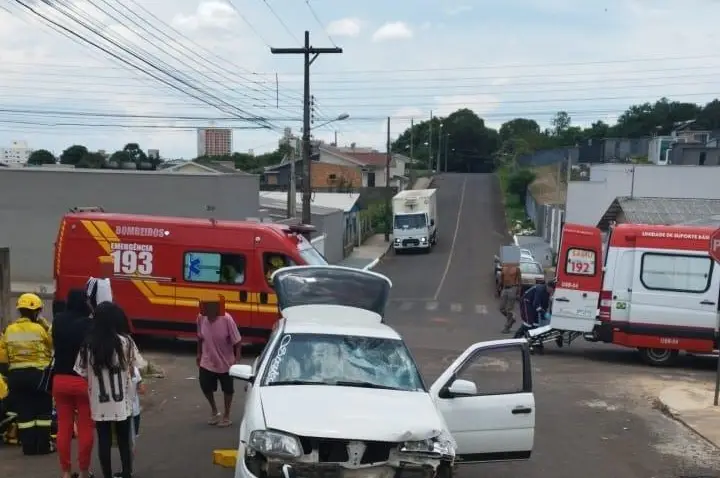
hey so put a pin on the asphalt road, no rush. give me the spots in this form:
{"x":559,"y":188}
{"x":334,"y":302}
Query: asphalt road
{"x":595,"y":414}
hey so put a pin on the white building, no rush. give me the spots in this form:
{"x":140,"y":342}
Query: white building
{"x":17,"y":153}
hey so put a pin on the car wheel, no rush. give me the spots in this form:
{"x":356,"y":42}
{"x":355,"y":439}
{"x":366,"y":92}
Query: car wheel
{"x":445,"y":470}
{"x":659,"y":357}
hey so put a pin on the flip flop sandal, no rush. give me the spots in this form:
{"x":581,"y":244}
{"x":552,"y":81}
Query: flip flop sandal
{"x":224,"y":423}
{"x":215,"y":420}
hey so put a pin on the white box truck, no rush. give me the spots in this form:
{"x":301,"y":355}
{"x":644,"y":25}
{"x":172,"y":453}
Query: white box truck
{"x":414,"y":219}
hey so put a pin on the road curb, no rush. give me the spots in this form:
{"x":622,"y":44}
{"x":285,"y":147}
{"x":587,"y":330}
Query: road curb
{"x":377,"y":260}
{"x":673,"y":414}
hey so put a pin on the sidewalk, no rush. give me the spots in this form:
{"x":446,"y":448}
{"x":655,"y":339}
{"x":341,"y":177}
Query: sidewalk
{"x":692,"y":405}
{"x":369,"y":254}
{"x":422,"y":183}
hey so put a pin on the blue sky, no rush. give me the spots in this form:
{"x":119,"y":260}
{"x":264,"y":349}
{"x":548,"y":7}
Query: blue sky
{"x":516,"y":58}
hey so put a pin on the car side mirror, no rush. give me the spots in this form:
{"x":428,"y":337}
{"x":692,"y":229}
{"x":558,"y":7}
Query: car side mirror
{"x":462,"y":388}
{"x":242,"y":372}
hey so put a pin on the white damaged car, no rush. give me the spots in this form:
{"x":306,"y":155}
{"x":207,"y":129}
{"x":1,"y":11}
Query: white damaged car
{"x":336,"y":392}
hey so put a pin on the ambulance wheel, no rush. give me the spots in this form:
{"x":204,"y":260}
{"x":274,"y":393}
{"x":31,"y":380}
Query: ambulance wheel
{"x":659,"y":357}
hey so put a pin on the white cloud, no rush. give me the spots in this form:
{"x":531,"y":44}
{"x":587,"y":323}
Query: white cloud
{"x":392,"y":31}
{"x":458,"y":10}
{"x":344,"y":27}
{"x":209,"y":14}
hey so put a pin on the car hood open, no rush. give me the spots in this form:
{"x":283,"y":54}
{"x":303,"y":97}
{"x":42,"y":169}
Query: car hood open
{"x":328,"y":411}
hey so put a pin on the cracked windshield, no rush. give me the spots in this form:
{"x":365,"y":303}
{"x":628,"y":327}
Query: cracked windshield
{"x":314,"y":238}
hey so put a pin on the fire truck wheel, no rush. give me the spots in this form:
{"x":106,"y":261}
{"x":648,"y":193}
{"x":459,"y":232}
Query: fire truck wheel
{"x":659,"y":357}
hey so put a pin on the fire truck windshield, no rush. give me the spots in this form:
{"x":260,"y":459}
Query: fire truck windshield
{"x":312,"y":256}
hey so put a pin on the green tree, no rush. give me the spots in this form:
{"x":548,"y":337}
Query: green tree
{"x":73,"y":154}
{"x":560,"y":123}
{"x":135,"y":153}
{"x":40,"y":157}
{"x":92,"y":161}
{"x":519,"y":128}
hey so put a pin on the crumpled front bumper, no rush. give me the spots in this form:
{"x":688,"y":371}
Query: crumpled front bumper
{"x":333,"y":470}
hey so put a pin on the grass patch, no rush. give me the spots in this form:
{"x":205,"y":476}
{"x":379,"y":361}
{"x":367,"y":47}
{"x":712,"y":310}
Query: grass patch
{"x":514,"y":184}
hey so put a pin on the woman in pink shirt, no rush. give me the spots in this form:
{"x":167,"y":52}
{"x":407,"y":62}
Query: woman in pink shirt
{"x":218,"y":349}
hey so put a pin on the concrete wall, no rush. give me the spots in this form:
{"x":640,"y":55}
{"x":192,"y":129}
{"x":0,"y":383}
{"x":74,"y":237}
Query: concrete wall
{"x":587,"y":201}
{"x":32,"y":202}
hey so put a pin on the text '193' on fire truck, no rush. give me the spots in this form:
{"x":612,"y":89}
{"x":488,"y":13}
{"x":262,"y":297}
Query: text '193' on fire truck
{"x":650,"y":287}
{"x":161,"y":268}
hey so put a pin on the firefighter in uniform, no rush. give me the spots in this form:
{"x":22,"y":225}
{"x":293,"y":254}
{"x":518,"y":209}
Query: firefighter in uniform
{"x":28,"y":348}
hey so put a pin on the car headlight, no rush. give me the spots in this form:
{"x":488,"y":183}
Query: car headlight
{"x":397,"y":240}
{"x":272,"y":443}
{"x":424,"y":239}
{"x":432,"y":446}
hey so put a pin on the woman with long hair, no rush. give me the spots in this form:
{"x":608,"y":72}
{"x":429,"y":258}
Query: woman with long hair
{"x":108,"y":359}
{"x":70,"y":391}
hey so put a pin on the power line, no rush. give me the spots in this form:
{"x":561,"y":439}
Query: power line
{"x":320,"y":22}
{"x":128,"y":51}
{"x":122,"y":126}
{"x":548,"y":65}
{"x":279,"y":19}
{"x":127,"y":115}
{"x":249,"y":24}
{"x":438,"y":91}
{"x":606,"y":76}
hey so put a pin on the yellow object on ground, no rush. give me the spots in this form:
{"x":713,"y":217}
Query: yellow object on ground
{"x":225,"y":458}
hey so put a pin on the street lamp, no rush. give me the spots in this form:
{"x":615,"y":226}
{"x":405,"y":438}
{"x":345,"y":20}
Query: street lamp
{"x":341,"y":117}
{"x":291,"y":200}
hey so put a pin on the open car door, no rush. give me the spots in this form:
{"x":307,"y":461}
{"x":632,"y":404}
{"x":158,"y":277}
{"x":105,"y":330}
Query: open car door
{"x":487,"y":401}
{"x":579,"y":279}
{"x":358,"y":292}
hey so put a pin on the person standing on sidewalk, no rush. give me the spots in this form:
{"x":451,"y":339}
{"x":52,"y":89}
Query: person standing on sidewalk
{"x":28,"y":348}
{"x":510,"y":290}
{"x":108,"y":359}
{"x":69,"y":389}
{"x":218,"y":350}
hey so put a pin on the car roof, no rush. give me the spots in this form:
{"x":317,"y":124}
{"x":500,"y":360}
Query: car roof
{"x":310,"y":325}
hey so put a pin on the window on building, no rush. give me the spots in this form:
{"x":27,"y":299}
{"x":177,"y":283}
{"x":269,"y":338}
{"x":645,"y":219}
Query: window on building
{"x":676,"y":272}
{"x":332,"y":177}
{"x":580,"y":262}
{"x":214,"y":267}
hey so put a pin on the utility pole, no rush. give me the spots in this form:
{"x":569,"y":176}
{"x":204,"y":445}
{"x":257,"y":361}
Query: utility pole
{"x":388,"y":212}
{"x":336,"y":138}
{"x":412,"y":140}
{"x":430,"y":157}
{"x":439,"y":148}
{"x":310,"y":54}
{"x":292,"y":184}
{"x":447,"y":140}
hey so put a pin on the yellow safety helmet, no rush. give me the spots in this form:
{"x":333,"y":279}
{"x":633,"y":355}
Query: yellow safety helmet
{"x":29,"y":301}
{"x":277,"y":261}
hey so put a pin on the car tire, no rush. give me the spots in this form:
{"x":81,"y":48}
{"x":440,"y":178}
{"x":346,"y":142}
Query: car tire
{"x":659,"y":357}
{"x":445,"y":470}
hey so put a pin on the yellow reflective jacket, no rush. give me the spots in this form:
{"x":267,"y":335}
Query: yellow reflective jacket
{"x":45,"y":323}
{"x":3,"y":388}
{"x":26,"y":344}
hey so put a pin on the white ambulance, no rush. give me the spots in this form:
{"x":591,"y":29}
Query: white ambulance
{"x":657,"y":289}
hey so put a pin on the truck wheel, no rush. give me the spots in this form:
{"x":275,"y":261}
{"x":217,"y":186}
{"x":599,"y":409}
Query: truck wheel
{"x":659,"y":357}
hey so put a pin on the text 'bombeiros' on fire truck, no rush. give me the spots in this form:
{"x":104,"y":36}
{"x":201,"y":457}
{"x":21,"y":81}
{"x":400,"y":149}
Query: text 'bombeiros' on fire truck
{"x":161,"y":268}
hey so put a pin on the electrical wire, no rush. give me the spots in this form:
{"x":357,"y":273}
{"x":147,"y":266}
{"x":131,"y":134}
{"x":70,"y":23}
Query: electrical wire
{"x":131,"y":53}
{"x":121,"y":126}
{"x":320,"y":22}
{"x":551,"y":65}
{"x":249,"y":24}
{"x":477,"y":90}
{"x":279,"y":19}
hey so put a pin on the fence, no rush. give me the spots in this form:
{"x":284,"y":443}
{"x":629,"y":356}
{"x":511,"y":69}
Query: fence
{"x":548,"y":220}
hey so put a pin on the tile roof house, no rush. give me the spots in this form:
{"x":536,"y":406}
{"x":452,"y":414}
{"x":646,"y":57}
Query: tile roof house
{"x":370,"y":162}
{"x":205,"y":167}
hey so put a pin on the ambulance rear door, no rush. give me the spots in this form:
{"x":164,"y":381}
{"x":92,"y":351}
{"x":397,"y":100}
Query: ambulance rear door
{"x":579,"y":279}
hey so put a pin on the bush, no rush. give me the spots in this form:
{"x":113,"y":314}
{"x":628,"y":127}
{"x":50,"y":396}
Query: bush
{"x":518,"y":183}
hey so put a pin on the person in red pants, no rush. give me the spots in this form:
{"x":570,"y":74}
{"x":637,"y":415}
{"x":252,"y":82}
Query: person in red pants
{"x":69,"y":389}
